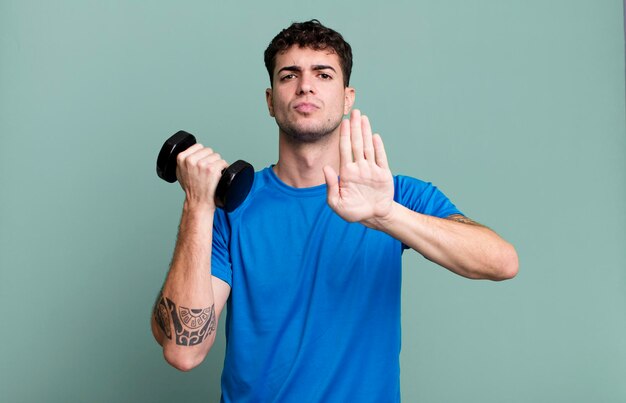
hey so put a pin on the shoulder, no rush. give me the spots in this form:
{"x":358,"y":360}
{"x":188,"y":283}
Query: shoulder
{"x":422,"y":196}
{"x":408,"y":186}
{"x":404,"y":180}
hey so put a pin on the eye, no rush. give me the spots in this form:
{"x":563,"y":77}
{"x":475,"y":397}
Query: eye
{"x":288,"y":77}
{"x":325,"y":76}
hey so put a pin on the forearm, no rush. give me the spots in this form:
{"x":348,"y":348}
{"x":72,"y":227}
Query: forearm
{"x":467,"y":249}
{"x":184,"y":317}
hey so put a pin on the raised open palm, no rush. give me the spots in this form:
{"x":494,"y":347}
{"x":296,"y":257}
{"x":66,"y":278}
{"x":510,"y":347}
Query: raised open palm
{"x":363,"y":191}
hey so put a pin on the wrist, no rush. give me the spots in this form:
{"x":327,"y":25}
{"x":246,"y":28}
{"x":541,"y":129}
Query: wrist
{"x":198,"y":208}
{"x":197,"y":215}
{"x":383,"y":221}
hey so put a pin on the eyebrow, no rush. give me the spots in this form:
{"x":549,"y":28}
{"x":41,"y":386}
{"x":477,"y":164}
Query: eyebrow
{"x":315,"y":67}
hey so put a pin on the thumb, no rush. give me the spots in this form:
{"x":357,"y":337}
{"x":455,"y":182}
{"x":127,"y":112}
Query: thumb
{"x":332,"y":186}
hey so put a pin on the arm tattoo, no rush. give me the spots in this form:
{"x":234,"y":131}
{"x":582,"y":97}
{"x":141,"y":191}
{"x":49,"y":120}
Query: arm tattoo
{"x":162,"y":317}
{"x":192,"y":326}
{"x":462,"y":219}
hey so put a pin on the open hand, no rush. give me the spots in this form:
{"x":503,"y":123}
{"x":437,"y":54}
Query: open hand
{"x":364,"y":190}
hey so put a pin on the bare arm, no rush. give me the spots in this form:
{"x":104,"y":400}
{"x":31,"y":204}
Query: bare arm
{"x":185,"y":314}
{"x":364,"y":194}
{"x":456,"y":243}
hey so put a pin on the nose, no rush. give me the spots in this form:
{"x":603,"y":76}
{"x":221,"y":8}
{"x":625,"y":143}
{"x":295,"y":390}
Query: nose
{"x":305,"y":85}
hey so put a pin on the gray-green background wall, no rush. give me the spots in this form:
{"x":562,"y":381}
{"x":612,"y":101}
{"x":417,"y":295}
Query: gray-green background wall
{"x":515,"y":108}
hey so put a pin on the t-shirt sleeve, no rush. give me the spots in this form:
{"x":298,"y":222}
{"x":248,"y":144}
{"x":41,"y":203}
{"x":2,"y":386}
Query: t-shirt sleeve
{"x":221,"y":266}
{"x":423,"y":197}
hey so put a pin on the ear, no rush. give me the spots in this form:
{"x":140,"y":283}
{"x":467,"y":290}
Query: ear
{"x":349,"y":95}
{"x":268,"y":99}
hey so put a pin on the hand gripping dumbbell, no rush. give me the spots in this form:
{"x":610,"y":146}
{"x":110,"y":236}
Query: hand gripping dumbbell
{"x":234,"y":185}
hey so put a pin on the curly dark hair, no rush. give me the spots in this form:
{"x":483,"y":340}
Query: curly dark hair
{"x":310,"y":34}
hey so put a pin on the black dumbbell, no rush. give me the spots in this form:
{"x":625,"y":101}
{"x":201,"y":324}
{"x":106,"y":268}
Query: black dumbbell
{"x":234,"y":185}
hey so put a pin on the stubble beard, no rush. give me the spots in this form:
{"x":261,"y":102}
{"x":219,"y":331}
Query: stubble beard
{"x":308,"y":135}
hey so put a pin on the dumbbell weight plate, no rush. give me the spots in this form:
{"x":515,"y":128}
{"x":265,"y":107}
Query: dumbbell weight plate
{"x":234,"y":185}
{"x":166,"y":161}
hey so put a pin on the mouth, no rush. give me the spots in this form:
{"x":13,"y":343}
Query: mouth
{"x":305,"y":107}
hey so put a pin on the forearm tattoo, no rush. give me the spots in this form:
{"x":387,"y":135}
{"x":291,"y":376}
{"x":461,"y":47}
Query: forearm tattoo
{"x":191,"y":326}
{"x":462,"y":219}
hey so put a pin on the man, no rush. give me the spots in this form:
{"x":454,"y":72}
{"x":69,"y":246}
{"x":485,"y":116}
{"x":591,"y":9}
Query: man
{"x":309,"y":264}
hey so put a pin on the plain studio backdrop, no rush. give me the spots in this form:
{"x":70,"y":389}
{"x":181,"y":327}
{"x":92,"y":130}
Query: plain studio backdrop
{"x":514,"y":108}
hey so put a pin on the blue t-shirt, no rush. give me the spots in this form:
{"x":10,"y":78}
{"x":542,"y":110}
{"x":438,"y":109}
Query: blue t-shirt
{"x":314,"y":309}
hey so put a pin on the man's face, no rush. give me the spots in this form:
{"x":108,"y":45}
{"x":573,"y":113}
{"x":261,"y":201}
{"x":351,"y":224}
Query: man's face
{"x":308,"y":98}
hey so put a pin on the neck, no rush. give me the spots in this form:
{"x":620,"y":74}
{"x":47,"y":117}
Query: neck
{"x":301,"y":165}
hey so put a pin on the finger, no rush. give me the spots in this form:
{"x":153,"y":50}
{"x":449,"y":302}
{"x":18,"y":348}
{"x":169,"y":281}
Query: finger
{"x":355,"y":135}
{"x":198,"y":155}
{"x":182,"y":156}
{"x":332,"y":186}
{"x":379,"y":150}
{"x":368,"y":145}
{"x":211,"y":159}
{"x":213,"y":168}
{"x":345,"y":148}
